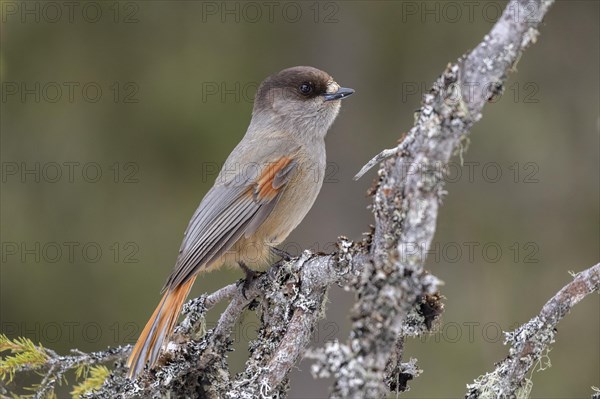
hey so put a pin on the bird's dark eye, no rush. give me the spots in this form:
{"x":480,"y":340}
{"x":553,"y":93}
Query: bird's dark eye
{"x":306,"y":88}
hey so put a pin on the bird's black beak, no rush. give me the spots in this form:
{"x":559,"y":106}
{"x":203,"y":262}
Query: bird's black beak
{"x":342,"y":92}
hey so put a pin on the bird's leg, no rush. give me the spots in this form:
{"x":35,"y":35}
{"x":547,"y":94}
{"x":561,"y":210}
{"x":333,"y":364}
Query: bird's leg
{"x":281,"y":253}
{"x":250,"y":276}
{"x":284,"y":257}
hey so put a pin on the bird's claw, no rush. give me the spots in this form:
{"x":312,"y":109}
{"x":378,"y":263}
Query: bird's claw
{"x":251,"y":275}
{"x":286,"y":256}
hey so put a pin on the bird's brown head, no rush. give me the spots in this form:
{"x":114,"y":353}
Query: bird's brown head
{"x":302,"y":99}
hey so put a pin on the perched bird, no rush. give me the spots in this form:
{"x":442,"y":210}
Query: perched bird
{"x":265,"y":188}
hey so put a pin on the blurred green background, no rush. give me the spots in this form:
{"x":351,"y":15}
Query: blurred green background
{"x":115,"y":117}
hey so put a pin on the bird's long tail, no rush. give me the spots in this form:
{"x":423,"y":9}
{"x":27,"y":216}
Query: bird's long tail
{"x":158,"y":329}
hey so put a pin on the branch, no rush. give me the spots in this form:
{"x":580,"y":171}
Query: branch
{"x":406,"y":203}
{"x":290,"y":299}
{"x":530,"y":342}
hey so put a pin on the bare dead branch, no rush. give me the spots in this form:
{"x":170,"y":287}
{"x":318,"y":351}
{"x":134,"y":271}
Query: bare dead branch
{"x":530,"y":342}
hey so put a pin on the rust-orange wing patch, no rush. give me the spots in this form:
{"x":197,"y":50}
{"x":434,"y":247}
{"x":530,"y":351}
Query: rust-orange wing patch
{"x":232,"y":211}
{"x":272,"y":179}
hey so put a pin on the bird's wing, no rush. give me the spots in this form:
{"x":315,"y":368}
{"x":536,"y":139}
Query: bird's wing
{"x":229,"y":211}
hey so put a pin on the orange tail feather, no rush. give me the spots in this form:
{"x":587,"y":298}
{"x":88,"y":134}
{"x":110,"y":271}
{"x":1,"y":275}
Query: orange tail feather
{"x":158,"y":329}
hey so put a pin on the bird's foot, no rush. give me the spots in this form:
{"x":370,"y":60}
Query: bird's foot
{"x":251,"y":275}
{"x":281,"y":253}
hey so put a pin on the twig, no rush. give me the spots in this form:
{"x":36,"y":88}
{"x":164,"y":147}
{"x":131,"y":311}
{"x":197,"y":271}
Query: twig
{"x":220,"y":295}
{"x":382,"y":156}
{"x":530,"y":342}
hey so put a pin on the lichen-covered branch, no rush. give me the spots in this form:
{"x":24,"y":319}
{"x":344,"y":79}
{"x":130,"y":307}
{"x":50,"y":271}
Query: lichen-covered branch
{"x":290,"y":299}
{"x":529,"y":344}
{"x":407,"y":199}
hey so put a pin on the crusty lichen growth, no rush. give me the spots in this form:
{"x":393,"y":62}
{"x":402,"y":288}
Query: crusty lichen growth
{"x":530,"y":343}
{"x":286,"y":298}
{"x":289,"y":313}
